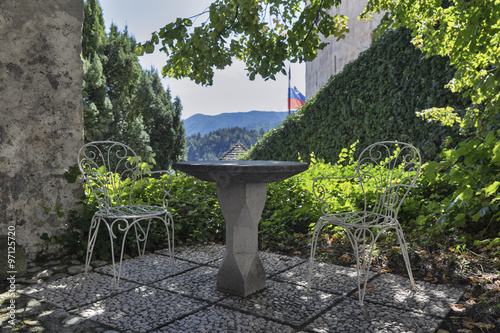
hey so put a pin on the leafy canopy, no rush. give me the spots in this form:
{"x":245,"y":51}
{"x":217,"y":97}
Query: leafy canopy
{"x":262,"y":33}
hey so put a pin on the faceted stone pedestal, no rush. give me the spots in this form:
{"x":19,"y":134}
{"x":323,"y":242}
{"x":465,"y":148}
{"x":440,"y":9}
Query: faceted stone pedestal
{"x":241,"y":191}
{"x":241,"y":272}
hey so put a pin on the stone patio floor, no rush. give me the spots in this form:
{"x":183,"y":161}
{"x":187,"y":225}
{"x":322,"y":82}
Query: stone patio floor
{"x":151,"y":299}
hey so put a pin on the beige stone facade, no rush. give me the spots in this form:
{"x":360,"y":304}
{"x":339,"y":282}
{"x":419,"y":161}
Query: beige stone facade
{"x":41,"y":125}
{"x":332,"y":59}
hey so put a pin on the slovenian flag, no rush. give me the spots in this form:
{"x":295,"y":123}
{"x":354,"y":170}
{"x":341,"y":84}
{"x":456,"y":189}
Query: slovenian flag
{"x":295,"y":99}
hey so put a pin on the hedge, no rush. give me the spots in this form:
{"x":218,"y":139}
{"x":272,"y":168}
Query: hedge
{"x":374,"y":98}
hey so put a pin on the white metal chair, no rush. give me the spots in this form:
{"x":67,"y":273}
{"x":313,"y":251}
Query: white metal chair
{"x":392,"y":168}
{"x":111,"y":170}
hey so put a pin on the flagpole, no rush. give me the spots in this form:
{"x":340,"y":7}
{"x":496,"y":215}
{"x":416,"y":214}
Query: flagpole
{"x":289,"y":79}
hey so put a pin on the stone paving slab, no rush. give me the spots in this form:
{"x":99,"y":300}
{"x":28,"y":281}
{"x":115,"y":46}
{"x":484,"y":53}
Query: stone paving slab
{"x":273,"y":263}
{"x":219,"y":319}
{"x":140,"y":309}
{"x":205,"y":255}
{"x":199,"y":283}
{"x":287,"y":303}
{"x":152,"y":268}
{"x":350,"y":317}
{"x":429,"y":298}
{"x":326,"y":277}
{"x":276,"y":263}
{"x":74,"y":291}
{"x":212,"y":255}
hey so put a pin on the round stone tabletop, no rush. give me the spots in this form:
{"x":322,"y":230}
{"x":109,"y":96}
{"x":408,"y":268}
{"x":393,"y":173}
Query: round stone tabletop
{"x":241,"y":171}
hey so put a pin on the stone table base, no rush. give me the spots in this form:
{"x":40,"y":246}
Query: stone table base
{"x":241,"y":272}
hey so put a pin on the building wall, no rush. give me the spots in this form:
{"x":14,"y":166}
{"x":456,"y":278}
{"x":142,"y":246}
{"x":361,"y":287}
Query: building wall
{"x":41,"y":110}
{"x":337,"y":54}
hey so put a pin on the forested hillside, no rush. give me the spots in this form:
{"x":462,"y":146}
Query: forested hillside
{"x":252,"y":120}
{"x":214,"y":144}
{"x":374,"y":98}
{"x":122,"y":101}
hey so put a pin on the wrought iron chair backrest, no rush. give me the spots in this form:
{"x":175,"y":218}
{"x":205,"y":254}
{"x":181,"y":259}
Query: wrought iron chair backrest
{"x":111,"y":170}
{"x":391,"y":169}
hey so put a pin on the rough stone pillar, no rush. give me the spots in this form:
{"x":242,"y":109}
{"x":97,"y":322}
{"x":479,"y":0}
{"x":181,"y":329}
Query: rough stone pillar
{"x":41,"y":125}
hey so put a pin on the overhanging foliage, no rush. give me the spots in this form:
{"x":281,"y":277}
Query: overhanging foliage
{"x":263,"y":34}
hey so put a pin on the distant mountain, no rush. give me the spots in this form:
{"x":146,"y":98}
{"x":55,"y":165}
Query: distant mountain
{"x":253,"y":120}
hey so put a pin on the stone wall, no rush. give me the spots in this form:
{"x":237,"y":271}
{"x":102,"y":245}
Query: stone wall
{"x":336,"y":55}
{"x":41,"y":125}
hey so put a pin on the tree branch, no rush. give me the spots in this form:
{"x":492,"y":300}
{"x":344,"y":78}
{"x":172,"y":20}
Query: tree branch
{"x":312,"y":24}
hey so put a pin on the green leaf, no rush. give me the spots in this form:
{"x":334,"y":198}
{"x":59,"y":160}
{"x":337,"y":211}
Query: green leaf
{"x":495,"y":242}
{"x":467,"y":194}
{"x":72,"y":174}
{"x":496,"y":154}
{"x":451,"y":155}
{"x":492,"y":188}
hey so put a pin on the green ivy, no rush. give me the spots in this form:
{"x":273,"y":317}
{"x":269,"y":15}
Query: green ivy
{"x":374,"y":98}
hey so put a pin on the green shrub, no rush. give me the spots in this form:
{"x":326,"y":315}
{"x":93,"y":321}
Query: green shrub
{"x":196,"y":212}
{"x":459,"y":196}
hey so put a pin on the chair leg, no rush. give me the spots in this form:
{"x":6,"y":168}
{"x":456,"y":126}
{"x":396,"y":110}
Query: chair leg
{"x":355,"y":248}
{"x":137,"y":241}
{"x":111,"y":239}
{"x":169,"y":223}
{"x":172,"y":267}
{"x":358,"y":240}
{"x":314,"y":243}
{"x":125,"y":232}
{"x":94,"y":229}
{"x":141,"y":237}
{"x":404,"y":252}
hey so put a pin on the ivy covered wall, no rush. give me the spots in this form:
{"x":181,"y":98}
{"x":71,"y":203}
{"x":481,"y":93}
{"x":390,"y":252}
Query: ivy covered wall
{"x":373,"y":99}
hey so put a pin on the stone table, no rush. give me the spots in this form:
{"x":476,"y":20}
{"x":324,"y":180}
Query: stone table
{"x":241,"y":192}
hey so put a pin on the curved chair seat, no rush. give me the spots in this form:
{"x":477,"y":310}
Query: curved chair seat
{"x":359,"y":219}
{"x":133,"y":212}
{"x":391,"y":169}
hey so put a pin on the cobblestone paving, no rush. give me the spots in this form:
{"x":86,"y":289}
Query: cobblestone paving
{"x":58,"y":297}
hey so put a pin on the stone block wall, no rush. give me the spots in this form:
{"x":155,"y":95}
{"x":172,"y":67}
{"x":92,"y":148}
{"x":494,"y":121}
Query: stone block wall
{"x":337,"y":54}
{"x":41,"y":123}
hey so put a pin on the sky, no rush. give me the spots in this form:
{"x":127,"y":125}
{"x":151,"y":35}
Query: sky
{"x":232,"y":90}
